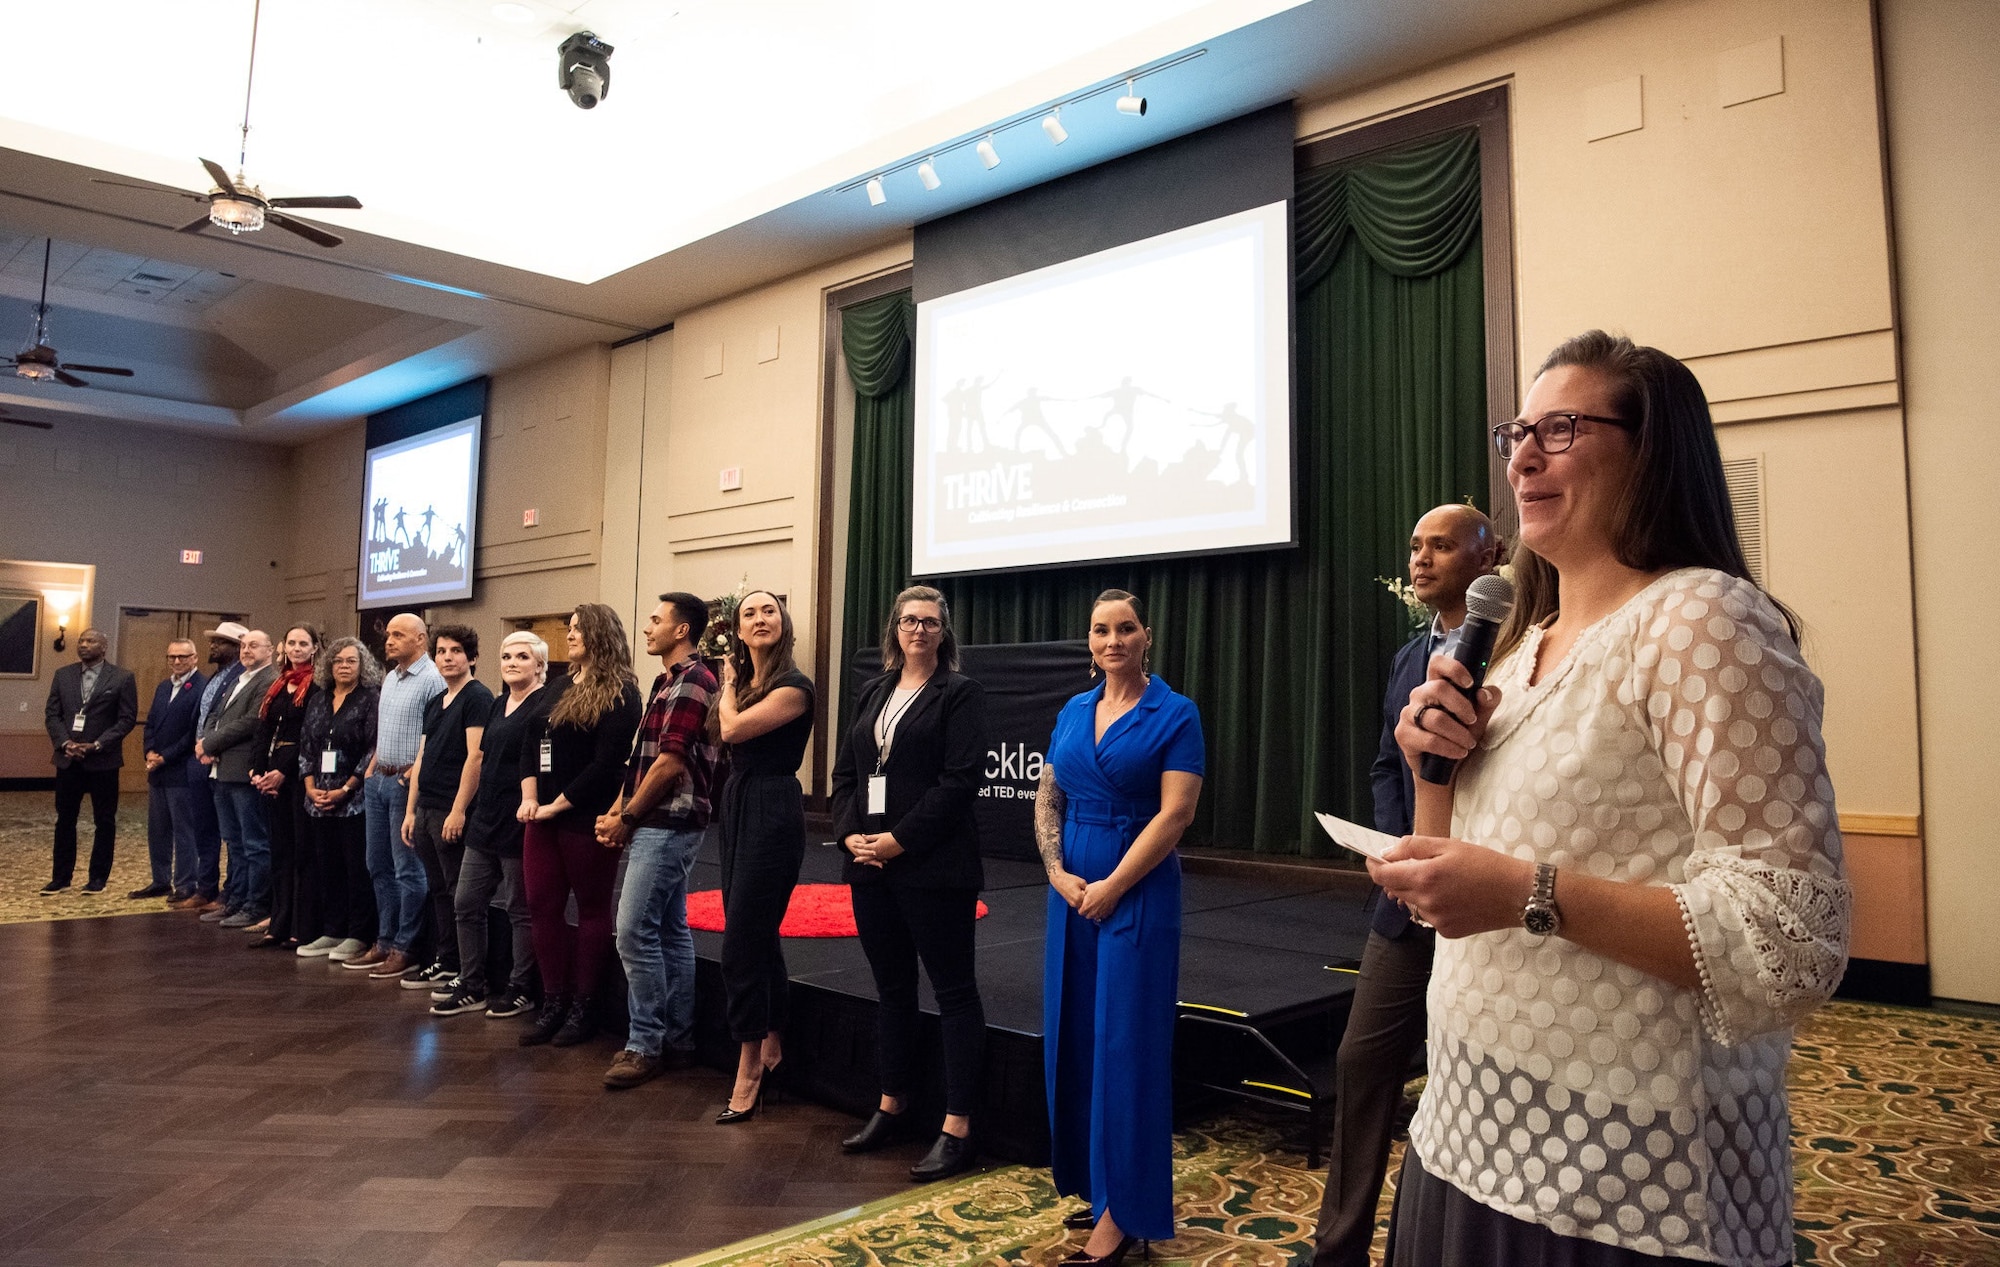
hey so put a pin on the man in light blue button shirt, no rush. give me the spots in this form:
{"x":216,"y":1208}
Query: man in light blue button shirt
{"x":401,"y":888}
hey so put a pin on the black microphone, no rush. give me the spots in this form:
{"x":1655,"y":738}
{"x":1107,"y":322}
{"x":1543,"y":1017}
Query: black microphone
{"x":1488,"y":600}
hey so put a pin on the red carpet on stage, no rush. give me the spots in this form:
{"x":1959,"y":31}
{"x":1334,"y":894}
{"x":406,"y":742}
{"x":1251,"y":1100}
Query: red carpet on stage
{"x":817,"y":910}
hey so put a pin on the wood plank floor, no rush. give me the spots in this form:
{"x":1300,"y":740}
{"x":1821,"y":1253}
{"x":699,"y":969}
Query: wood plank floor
{"x":168,"y":1097}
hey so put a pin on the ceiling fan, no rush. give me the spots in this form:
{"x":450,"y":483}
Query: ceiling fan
{"x":239,"y":206}
{"x":37,"y":362}
{"x":36,"y":423}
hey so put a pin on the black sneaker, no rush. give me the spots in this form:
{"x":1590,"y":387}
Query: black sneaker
{"x":460,"y":1001}
{"x":429,"y":977}
{"x":95,"y":886}
{"x":445,"y":989}
{"x":52,"y":888}
{"x":509,"y":1003}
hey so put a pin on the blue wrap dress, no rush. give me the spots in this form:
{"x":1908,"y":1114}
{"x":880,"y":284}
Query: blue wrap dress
{"x":1110,"y":990}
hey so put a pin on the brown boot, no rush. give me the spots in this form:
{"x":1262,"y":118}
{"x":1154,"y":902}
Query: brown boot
{"x":630,"y":1069}
{"x":391,"y":968}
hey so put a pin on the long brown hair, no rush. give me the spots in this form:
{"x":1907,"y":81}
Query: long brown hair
{"x":605,"y":672}
{"x":748,"y":689}
{"x":1674,"y":511}
{"x":892,"y":646}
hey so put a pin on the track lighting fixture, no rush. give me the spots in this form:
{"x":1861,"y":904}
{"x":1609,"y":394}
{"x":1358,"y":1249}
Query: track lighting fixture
{"x":1052,"y":124}
{"x":927,"y":173}
{"x":987,"y":154}
{"x":875,"y":195}
{"x":1132,"y":103}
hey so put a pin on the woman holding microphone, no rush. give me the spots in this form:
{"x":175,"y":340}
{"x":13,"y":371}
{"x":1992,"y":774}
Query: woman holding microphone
{"x":1641,"y":891}
{"x":1123,"y":775}
{"x":571,"y":768}
{"x":765,"y":715}
{"x":904,"y":784}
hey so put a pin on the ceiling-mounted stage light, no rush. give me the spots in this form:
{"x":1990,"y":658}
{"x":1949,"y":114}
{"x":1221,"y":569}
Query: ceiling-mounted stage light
{"x":1132,"y":103}
{"x":1052,"y":124}
{"x":875,"y":195}
{"x":987,"y":154}
{"x":927,"y":173}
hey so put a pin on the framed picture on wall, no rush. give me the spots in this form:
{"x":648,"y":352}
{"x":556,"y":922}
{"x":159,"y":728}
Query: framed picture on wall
{"x":20,"y":634}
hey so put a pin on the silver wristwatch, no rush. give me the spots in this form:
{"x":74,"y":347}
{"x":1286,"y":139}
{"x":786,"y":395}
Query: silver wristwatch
{"x":1542,"y":916}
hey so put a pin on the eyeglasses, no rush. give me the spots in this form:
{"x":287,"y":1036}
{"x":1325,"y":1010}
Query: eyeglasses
{"x":180,"y":655}
{"x":1553,"y":432}
{"x":929,"y":624}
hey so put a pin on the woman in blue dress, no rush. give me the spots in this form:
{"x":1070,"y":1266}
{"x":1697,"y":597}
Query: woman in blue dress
{"x":1122,"y":776}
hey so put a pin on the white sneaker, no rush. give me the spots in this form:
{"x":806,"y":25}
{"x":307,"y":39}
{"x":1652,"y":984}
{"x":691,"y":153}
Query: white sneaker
{"x":314,"y":949}
{"x":348,"y":949}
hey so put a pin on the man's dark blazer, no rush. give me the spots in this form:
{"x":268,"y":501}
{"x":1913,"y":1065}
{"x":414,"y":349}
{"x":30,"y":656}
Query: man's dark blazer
{"x":170,"y":729}
{"x":936,"y":762}
{"x":231,"y":734}
{"x":112,"y":712}
{"x":1395,"y":786}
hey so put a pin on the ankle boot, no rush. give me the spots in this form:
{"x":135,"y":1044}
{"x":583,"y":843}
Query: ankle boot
{"x":555,"y":1010}
{"x":581,"y":1024}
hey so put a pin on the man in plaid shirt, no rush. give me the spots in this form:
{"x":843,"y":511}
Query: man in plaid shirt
{"x":659,"y":818}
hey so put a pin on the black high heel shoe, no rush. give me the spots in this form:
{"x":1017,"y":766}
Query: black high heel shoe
{"x":731,"y":1116}
{"x":1082,"y":1221}
{"x":1112,"y":1259}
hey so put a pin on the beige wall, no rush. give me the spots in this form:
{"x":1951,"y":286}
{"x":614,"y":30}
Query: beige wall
{"x":1939,"y":58}
{"x":712,"y":395}
{"x":119,"y":503}
{"x":544,"y":449}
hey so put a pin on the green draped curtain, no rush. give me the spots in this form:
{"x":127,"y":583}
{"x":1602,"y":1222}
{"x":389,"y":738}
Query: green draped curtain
{"x":1286,"y":652}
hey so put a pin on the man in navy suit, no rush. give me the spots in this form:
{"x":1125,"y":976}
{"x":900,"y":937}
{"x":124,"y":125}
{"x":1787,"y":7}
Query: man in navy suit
{"x":92,"y":706}
{"x":170,"y":736}
{"x":203,"y":868}
{"x":1449,"y":548}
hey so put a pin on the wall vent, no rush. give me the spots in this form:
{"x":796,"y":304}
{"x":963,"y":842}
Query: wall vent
{"x":1745,"y":478}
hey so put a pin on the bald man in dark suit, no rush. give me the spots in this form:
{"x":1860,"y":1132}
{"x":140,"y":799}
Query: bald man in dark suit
{"x":93,"y":704}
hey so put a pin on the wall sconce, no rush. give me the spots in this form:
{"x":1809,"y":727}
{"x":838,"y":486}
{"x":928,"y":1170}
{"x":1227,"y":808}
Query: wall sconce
{"x":61,"y":605}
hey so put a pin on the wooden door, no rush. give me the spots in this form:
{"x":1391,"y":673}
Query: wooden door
{"x":143,"y":635}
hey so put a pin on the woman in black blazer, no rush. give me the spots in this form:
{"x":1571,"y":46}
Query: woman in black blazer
{"x":914,"y":863}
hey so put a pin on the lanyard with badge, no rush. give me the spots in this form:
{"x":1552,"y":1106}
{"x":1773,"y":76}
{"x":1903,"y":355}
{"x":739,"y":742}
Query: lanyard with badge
{"x":878,"y":782}
{"x":76,"y":724}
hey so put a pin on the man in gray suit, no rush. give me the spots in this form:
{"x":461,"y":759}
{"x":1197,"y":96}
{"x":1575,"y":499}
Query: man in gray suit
{"x":227,"y":745}
{"x":93,"y":705}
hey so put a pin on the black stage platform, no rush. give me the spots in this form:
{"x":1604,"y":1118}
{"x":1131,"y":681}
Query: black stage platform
{"x":1271,"y":944}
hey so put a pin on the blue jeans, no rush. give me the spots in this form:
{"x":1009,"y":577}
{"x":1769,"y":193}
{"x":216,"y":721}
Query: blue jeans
{"x":239,"y":811}
{"x":654,"y":941}
{"x":401,"y":888}
{"x":170,"y":838}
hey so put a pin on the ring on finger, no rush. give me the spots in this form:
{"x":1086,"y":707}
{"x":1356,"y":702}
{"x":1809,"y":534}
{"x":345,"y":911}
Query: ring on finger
{"x":1418,"y":720}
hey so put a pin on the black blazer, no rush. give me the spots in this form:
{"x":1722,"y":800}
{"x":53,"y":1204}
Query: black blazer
{"x":934,"y":771}
{"x":112,"y":712}
{"x":170,"y":729}
{"x":1394,"y":784}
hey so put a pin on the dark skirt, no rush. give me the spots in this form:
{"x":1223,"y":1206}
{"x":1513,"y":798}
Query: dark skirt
{"x":1436,"y":1225}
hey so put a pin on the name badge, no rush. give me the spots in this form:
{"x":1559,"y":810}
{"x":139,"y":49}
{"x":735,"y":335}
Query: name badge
{"x":76,"y":726}
{"x":329,"y":762}
{"x":878,"y":794}
{"x":548,"y":757}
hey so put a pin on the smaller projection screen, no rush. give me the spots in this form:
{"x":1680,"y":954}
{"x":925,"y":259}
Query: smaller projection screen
{"x":418,"y":517}
{"x":1132,"y":402}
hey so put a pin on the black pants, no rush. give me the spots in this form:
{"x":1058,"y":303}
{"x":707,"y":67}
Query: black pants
{"x":480,"y":877}
{"x":1385,"y":1027}
{"x":900,"y":926}
{"x":346,"y":894}
{"x":295,"y":913}
{"x":441,"y":859}
{"x":72,"y":784}
{"x":763,"y":846}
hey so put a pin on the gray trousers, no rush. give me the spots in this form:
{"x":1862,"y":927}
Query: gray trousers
{"x":481,"y":876}
{"x":1385,"y":1027}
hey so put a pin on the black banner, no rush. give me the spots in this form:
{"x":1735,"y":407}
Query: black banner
{"x":1027,"y":683}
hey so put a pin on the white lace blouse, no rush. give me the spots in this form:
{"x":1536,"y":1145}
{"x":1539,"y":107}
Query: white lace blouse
{"x":1678,"y":744}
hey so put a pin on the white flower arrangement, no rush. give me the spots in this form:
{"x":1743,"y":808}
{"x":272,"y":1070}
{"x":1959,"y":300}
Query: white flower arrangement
{"x":1413,"y":607}
{"x":719,"y":636}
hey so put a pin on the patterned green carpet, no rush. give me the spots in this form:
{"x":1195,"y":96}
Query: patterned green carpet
{"x":1896,"y":1114}
{"x":26,"y":820}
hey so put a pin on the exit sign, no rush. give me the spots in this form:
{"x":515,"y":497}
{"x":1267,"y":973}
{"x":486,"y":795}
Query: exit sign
{"x":190,"y":556}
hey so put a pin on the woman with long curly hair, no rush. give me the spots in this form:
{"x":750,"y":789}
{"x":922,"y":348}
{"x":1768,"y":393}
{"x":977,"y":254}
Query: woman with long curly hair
{"x":766,"y":719}
{"x":571,"y":767}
